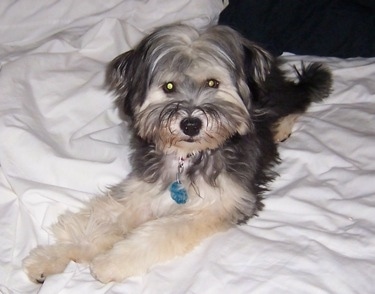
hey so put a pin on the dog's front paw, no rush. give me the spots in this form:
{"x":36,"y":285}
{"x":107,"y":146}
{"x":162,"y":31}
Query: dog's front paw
{"x":106,"y":269}
{"x":41,"y":264}
{"x":114,"y":267}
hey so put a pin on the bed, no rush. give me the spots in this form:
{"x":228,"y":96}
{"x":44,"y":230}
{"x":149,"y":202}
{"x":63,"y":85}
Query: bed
{"x":62,"y":142}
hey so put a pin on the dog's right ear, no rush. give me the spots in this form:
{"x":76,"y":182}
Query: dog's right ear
{"x":119,"y":79}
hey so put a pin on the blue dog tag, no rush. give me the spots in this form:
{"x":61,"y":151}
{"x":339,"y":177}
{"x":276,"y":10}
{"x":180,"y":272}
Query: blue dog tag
{"x":178,"y":192}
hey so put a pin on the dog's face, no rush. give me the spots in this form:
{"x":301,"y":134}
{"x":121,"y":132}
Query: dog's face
{"x":186,"y":92}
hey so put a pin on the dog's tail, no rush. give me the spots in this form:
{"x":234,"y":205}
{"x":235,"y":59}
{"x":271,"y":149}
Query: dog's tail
{"x":314,"y":82}
{"x":313,"y":85}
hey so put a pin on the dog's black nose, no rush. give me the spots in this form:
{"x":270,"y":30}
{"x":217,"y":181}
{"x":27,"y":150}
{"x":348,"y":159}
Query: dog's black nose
{"x":191,"y":126}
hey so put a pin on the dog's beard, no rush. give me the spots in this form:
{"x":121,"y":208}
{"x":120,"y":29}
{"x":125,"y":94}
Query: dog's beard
{"x":207,"y":84}
{"x":161,"y":124}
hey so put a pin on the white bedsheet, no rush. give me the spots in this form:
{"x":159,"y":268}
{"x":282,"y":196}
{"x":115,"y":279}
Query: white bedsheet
{"x":61,"y":142}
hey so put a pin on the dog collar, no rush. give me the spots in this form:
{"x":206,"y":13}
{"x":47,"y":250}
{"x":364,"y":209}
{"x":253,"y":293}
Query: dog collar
{"x":177,"y":190}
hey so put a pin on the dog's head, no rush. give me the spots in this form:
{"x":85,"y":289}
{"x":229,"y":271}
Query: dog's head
{"x":187,"y":91}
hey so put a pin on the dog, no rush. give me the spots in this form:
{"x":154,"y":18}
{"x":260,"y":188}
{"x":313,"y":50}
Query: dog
{"x":206,"y":110}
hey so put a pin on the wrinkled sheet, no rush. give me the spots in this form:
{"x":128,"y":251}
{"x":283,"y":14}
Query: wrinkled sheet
{"x":62,"y":142}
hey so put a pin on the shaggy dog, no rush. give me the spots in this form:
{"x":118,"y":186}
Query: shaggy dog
{"x":205,"y":110}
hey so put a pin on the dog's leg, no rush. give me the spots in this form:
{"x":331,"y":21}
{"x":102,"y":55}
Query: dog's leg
{"x":92,"y":231}
{"x":44,"y":261}
{"x":80,"y":237}
{"x":283,"y":127}
{"x":155,"y":241}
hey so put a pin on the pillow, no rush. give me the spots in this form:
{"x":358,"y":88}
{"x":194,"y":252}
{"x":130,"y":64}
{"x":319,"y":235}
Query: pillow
{"x":340,"y":28}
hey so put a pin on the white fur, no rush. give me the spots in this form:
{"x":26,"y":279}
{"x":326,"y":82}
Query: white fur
{"x":123,"y":237}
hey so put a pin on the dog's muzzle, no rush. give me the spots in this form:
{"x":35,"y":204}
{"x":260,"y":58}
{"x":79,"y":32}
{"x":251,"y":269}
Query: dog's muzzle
{"x":191,"y":126}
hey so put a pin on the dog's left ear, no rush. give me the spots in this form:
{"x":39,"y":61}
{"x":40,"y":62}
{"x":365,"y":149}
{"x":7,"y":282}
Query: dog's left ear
{"x":258,"y":63}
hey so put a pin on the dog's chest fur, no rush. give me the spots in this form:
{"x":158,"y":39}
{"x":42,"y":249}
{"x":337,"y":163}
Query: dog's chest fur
{"x":207,"y":187}
{"x":212,"y":179}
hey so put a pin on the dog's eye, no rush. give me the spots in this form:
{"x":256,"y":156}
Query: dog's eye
{"x":169,"y":87}
{"x":212,"y":83}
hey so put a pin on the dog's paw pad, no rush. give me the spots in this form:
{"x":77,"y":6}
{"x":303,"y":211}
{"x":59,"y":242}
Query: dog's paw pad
{"x":283,"y":128}
{"x":103,"y":271}
{"x":282,"y":136}
{"x":115,"y":268}
{"x":41,"y":279}
{"x":284,"y":139}
{"x":43,"y":262}
{"x":34,"y":271}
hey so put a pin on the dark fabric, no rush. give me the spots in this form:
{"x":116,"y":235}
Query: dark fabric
{"x":341,"y":28}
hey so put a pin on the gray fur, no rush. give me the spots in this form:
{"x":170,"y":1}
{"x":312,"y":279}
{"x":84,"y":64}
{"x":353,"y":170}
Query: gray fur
{"x":239,"y":131}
